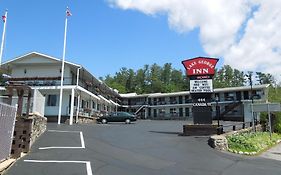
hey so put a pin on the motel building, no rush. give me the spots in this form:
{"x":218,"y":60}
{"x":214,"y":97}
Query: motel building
{"x":86,"y":96}
{"x":235,"y":103}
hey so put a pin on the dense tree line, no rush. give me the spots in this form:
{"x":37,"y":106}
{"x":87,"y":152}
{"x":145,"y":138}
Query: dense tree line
{"x":155,"y":78}
{"x":149,"y":79}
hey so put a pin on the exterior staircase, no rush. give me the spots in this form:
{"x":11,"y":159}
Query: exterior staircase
{"x":140,"y":108}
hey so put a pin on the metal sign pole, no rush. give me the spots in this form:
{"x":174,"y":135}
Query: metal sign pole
{"x":253,"y":119}
{"x":269,"y":121}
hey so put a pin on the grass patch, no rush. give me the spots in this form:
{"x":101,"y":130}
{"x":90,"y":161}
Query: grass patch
{"x":252,"y":142}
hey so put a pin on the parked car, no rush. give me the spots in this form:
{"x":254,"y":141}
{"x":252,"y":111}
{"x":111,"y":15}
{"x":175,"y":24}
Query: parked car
{"x":117,"y":117}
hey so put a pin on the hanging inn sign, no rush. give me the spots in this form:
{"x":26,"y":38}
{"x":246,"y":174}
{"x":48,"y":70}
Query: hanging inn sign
{"x":200,"y":71}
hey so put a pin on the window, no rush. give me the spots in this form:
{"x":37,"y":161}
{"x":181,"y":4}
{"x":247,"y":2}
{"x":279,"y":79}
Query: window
{"x":180,"y":112}
{"x":93,"y":105}
{"x":180,"y":99}
{"x":187,"y":112}
{"x":172,"y":110}
{"x":188,"y":99}
{"x":246,"y":95}
{"x":52,"y":100}
{"x":173,"y":100}
{"x":149,"y":111}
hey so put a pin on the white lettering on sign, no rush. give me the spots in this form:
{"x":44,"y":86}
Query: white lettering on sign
{"x":206,"y":63}
{"x":200,"y":71}
{"x":201,"y":104}
{"x":201,"y":86}
{"x":191,"y":65}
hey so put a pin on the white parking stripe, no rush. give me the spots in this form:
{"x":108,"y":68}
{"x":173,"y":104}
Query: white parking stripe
{"x":67,"y":147}
{"x":88,"y":163}
{"x":63,"y":131}
{"x":82,"y":140}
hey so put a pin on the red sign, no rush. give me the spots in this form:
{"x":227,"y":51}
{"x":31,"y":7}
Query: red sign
{"x":200,"y":66}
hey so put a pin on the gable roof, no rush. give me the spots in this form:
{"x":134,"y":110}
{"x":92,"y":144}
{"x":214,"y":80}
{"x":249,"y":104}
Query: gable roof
{"x":92,"y":77}
{"x":39,"y":54}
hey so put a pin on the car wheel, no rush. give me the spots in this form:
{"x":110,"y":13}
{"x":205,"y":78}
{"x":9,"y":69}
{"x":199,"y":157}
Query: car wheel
{"x":127,"y":121}
{"x":103,"y":121}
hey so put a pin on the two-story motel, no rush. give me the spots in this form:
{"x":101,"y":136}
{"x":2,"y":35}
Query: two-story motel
{"x":85,"y":95}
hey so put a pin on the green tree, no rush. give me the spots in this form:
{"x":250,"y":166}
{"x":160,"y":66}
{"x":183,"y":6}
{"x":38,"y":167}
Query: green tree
{"x":140,"y":81}
{"x":130,"y":83}
{"x":154,"y":78}
{"x":177,"y":80}
{"x":228,"y":77}
{"x":265,"y":78}
{"x":166,"y":73}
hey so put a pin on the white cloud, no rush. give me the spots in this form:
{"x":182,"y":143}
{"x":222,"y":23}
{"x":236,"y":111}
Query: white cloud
{"x":228,"y":29}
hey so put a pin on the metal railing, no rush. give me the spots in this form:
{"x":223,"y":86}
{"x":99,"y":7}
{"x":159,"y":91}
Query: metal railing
{"x":7,"y":124}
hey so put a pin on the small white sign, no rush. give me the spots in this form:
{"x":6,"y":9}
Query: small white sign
{"x":201,"y":86}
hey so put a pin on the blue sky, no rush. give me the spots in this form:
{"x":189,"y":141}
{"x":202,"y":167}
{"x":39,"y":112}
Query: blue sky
{"x":105,"y":35}
{"x":101,"y":38}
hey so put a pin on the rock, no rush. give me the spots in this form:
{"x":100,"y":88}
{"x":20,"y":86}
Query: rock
{"x":218,"y":142}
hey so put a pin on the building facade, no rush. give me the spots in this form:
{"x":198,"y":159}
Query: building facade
{"x":84,"y":95}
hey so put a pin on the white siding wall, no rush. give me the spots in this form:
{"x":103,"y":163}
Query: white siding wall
{"x":39,"y":71}
{"x":54,"y":110}
{"x":38,"y":102}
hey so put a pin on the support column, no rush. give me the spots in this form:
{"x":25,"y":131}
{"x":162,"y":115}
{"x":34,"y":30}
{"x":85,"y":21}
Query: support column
{"x":34,"y":100}
{"x":145,"y":113}
{"x":10,"y":95}
{"x":28,"y":104}
{"x":71,"y":107}
{"x":20,"y":101}
{"x":77,"y":108}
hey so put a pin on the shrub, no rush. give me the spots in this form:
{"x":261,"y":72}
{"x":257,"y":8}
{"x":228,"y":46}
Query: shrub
{"x":252,"y":142}
{"x":277,"y":124}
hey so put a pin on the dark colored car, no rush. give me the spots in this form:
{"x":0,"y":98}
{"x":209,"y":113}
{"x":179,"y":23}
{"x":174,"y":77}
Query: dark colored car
{"x":117,"y":117}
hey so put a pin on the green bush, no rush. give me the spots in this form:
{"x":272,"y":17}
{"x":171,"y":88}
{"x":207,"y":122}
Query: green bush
{"x":277,"y":124}
{"x":252,"y":142}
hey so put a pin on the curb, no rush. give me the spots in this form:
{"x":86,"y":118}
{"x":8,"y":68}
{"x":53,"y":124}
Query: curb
{"x":6,"y":164}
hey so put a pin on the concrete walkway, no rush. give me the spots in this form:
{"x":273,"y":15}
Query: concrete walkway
{"x":273,"y":153}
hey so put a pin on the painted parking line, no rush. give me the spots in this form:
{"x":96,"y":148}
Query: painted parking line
{"x":63,"y":131}
{"x":87,"y":163}
{"x":67,"y":147}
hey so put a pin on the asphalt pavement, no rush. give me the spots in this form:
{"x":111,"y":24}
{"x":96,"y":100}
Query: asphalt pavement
{"x":143,"y":148}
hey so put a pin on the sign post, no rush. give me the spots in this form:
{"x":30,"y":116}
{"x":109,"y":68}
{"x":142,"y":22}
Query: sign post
{"x":200,"y":71}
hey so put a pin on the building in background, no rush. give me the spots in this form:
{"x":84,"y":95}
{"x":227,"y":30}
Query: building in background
{"x":234,"y":102}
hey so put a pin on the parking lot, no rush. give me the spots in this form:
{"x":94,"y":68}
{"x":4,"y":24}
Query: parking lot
{"x":145,"y":147}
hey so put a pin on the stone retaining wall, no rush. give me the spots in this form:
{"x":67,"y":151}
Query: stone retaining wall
{"x":82,"y":119}
{"x":39,"y":126}
{"x":27,"y":130}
